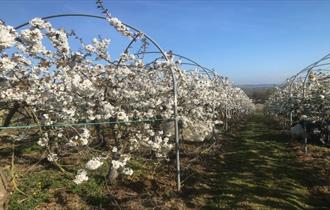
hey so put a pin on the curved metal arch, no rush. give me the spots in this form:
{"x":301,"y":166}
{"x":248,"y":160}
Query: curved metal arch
{"x":309,"y":68}
{"x":97,"y":17}
{"x":206,"y":70}
{"x":304,"y":74}
{"x":193,"y":63}
{"x":174,"y":82}
{"x":215,"y":78}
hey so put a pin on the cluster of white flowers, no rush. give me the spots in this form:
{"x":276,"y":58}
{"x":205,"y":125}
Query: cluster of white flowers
{"x":114,"y":149}
{"x":100,"y":48}
{"x":52,"y":157}
{"x":128,"y":171}
{"x":40,"y":23}
{"x":6,"y":64}
{"x":121,"y":163}
{"x":32,"y":40}
{"x":84,"y":136}
{"x":119,"y":26}
{"x":7,"y":36}
{"x":122,"y":116}
{"x":94,"y":163}
{"x":43,"y":140}
{"x":66,"y":87}
{"x":302,"y":96}
{"x":81,"y":177}
{"x":203,"y":102}
{"x":90,"y":48}
{"x":59,"y":40}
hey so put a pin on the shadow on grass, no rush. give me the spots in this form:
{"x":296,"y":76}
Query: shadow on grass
{"x":257,"y":171}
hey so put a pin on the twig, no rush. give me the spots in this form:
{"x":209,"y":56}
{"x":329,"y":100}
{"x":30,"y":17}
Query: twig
{"x":13,"y":177}
{"x":30,"y":168}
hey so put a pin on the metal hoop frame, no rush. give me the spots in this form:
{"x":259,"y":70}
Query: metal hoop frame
{"x":210,"y":73}
{"x":164,"y":56}
{"x":303,"y":75}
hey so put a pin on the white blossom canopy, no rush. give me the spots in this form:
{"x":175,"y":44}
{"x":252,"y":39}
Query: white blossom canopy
{"x":66,"y":97}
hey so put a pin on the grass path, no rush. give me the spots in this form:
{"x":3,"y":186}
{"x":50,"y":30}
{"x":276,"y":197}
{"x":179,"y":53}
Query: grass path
{"x":253,"y":167}
{"x":256,"y":170}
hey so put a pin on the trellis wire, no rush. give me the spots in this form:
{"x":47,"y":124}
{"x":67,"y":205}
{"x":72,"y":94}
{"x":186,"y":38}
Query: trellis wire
{"x":210,"y":74}
{"x":84,"y":124}
{"x":164,"y":56}
{"x":176,"y":126}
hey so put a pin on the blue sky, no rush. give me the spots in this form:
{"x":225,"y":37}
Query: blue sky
{"x":252,"y":42}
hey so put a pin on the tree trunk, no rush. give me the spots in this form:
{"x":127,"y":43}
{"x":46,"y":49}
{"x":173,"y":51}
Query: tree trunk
{"x":10,"y":115}
{"x":113,"y":172}
{"x":113,"y":175}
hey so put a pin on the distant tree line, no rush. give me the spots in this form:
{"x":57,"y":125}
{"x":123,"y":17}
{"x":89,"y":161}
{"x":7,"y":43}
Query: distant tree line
{"x":259,"y":94}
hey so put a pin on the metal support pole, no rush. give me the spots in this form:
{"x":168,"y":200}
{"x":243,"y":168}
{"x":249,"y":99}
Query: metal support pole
{"x":177,"y":146}
{"x":306,"y":148}
{"x":305,"y":138}
{"x":226,"y":119}
{"x":176,"y":128}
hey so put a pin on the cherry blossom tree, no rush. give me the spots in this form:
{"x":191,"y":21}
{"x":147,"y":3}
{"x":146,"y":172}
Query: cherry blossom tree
{"x":68,"y":97}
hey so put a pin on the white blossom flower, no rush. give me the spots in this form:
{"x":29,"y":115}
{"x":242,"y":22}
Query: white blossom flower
{"x":6,"y":64}
{"x":59,"y":40}
{"x":7,"y":36}
{"x":94,"y":164}
{"x":40,"y":23}
{"x":43,"y":140}
{"x":128,"y":171}
{"x":114,"y":149}
{"x":90,"y":48}
{"x":52,"y":157}
{"x":119,"y":26}
{"x":122,"y":116}
{"x":218,"y":122}
{"x":81,"y":176}
{"x":32,"y":38}
{"x":117,"y":164}
{"x":71,"y":143}
{"x":84,"y":136}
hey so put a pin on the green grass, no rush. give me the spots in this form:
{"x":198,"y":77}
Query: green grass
{"x":255,"y":169}
{"x":36,"y":188}
{"x":261,"y":172}
{"x":45,"y":187}
{"x":48,"y":188}
{"x":258,"y":170}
